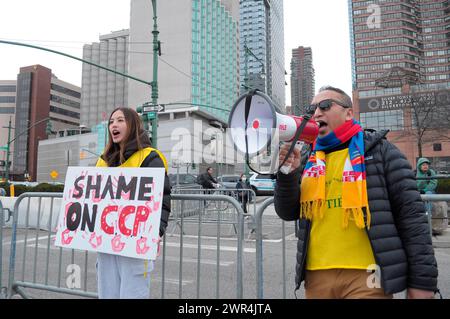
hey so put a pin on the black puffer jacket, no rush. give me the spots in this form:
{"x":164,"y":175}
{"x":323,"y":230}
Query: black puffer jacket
{"x":399,"y":232}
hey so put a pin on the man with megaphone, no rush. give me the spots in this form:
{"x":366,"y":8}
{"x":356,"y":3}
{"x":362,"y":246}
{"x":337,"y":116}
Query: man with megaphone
{"x":362,"y":229}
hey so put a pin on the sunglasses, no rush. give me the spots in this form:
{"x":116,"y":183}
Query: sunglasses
{"x":324,"y":105}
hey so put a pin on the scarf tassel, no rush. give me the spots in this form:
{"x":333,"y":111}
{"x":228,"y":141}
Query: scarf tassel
{"x":358,"y":216}
{"x":312,"y":209}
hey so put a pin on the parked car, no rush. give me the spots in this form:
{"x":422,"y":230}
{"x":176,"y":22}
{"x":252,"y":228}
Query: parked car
{"x":183,"y":179}
{"x":228,"y":181}
{"x":262,"y":184}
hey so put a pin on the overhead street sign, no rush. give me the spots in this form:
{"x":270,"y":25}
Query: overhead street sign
{"x":153,"y":108}
{"x":3,"y":148}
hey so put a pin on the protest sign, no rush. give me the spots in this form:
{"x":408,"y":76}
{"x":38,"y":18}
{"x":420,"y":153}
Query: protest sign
{"x":112,"y":210}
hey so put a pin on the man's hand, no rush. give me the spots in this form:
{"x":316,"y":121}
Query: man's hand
{"x":294,"y":158}
{"x":419,"y":294}
{"x":158,"y":251}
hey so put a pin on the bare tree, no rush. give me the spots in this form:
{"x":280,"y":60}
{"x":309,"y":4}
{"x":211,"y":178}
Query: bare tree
{"x":430,"y":117}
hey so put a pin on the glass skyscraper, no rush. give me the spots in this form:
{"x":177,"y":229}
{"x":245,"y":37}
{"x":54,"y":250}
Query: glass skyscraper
{"x":214,"y":58}
{"x":199,"y":62}
{"x":262,"y":48}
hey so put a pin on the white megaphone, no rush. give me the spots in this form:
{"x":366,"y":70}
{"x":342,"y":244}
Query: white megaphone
{"x":255,"y":124}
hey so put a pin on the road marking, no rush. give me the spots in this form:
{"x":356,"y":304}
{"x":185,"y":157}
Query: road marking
{"x":202,"y":261}
{"x":172,"y":281}
{"x":191,"y":246}
{"x":33,"y":239}
{"x":211,"y":247}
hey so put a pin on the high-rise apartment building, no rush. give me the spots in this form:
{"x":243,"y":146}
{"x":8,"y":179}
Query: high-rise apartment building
{"x":401,"y":73}
{"x":103,"y":91}
{"x":409,"y":34}
{"x":199,"y":62}
{"x":302,"y":79}
{"x":7,"y":113}
{"x":39,"y":96}
{"x":262,"y":48}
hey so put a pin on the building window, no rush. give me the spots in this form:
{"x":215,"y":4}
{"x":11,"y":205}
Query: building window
{"x":383,"y":120}
{"x":437,"y":147}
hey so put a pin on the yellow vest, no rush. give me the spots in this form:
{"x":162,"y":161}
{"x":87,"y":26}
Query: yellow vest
{"x":332,"y":246}
{"x":136,"y":159}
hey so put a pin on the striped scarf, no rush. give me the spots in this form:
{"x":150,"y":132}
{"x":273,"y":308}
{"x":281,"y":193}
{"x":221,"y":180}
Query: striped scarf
{"x":354,"y":188}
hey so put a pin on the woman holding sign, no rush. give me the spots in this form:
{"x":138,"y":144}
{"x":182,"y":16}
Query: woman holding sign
{"x":129,"y":146}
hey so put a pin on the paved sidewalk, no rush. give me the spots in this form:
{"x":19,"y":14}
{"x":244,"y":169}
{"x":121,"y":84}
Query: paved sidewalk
{"x":442,"y":241}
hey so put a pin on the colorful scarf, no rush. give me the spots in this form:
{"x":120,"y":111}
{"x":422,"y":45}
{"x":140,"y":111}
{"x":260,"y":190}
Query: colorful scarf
{"x":354,"y":189}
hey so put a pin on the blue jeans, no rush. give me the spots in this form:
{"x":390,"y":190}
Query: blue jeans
{"x":428,"y":204}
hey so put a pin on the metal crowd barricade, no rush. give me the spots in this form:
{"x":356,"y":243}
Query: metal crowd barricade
{"x":33,"y":229}
{"x":209,"y":209}
{"x":41,"y":231}
{"x":259,"y":250}
{"x":434,"y":198}
{"x":2,"y":223}
{"x":259,"y":241}
{"x":200,"y":220}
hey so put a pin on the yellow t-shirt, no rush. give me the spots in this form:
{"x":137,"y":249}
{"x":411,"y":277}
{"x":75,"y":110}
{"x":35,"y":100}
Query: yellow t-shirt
{"x":330,"y":245}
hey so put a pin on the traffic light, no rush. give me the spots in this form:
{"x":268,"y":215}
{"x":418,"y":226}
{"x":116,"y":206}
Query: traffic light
{"x":49,"y":128}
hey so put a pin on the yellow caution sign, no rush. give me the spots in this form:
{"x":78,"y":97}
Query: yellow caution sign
{"x":54,"y":174}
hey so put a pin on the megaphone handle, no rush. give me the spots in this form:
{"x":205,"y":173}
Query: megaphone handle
{"x":299,"y":131}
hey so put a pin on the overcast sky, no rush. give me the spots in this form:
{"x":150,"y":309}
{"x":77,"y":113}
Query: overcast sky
{"x":65,"y":26}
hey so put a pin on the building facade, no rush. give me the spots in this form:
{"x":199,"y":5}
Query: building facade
{"x":262,"y":48}
{"x":44,"y":103}
{"x":401,"y":73}
{"x":103,"y":91}
{"x":186,"y":137}
{"x":302,"y":79}
{"x":199,"y":61}
{"x":7,"y":114}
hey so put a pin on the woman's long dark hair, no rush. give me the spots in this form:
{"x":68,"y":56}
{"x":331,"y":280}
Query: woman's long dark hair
{"x":114,"y":154}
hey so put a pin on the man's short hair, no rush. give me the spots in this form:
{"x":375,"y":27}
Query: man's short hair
{"x":344,"y":98}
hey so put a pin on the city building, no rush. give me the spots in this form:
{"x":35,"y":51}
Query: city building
{"x":262,"y":48}
{"x":103,"y":91}
{"x":401,"y":73}
{"x":7,"y":114}
{"x":190,"y":138}
{"x":45,"y":105}
{"x":302,"y":79}
{"x":198,"y":63}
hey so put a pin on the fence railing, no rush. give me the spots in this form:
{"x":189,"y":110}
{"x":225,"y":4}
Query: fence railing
{"x":44,"y":265}
{"x":2,"y":223}
{"x":35,"y":215}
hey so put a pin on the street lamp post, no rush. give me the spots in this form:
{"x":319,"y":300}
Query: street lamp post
{"x":9,"y":127}
{"x":247,"y":53}
{"x":156,"y":51}
{"x":8,"y":144}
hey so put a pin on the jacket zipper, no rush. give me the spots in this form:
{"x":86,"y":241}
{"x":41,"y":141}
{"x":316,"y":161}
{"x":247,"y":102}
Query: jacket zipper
{"x":305,"y":250}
